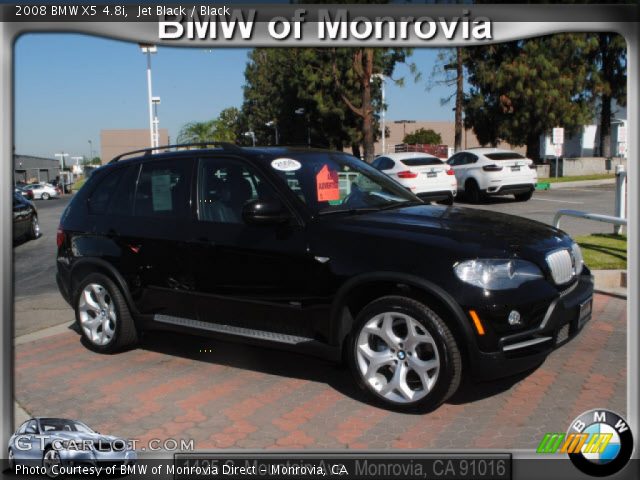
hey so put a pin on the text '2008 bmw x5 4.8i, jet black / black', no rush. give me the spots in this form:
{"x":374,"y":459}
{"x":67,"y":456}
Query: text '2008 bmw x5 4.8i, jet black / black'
{"x":318,"y":252}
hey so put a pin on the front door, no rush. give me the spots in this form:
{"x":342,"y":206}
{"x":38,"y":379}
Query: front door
{"x":249,"y":276}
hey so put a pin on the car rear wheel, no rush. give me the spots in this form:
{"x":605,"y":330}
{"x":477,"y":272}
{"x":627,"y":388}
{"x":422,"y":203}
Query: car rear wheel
{"x":45,"y":196}
{"x":34,"y":231}
{"x":403,"y":355}
{"x":523,"y":197}
{"x":103,"y":315}
{"x":473,"y":192}
{"x":11,"y":459}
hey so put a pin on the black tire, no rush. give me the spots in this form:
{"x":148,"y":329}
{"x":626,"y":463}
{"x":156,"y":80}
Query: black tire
{"x":44,"y":196}
{"x":523,"y":197}
{"x":125,"y":334}
{"x":34,"y":229}
{"x":450,"y":368}
{"x":472,"y":192}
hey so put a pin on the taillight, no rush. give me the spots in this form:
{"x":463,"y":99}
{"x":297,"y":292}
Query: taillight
{"x":59,"y":237}
{"x":451,"y":172}
{"x":30,"y":193}
{"x":492,"y":168}
{"x":407,"y":174}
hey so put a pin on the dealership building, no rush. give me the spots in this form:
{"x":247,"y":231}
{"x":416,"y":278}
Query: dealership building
{"x":29,"y":169}
{"x":117,"y":142}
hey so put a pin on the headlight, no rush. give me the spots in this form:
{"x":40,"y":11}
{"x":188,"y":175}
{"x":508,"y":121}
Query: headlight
{"x":497,"y":274}
{"x":577,"y":256}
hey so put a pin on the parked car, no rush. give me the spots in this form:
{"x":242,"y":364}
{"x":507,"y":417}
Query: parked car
{"x":25,"y":218}
{"x":317,"y":252}
{"x":25,"y":192}
{"x":43,"y":191}
{"x":58,"y":441}
{"x":425,"y":175}
{"x":483,"y":172}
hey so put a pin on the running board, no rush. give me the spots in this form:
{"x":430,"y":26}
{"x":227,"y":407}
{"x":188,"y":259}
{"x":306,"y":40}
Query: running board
{"x":231,"y":330}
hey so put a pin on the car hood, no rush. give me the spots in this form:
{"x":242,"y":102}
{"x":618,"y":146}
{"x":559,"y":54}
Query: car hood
{"x":81,"y":436}
{"x":480,"y":231}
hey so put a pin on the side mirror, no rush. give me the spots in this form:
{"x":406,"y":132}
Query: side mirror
{"x":265,"y":212}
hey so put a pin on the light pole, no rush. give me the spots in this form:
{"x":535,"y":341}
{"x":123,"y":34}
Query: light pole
{"x":90,"y":151}
{"x":148,"y":50}
{"x":156,"y":122}
{"x":382,"y":112}
{"x":252,"y":135}
{"x":61,"y":155}
{"x":272,"y":123}
{"x":301,"y":111}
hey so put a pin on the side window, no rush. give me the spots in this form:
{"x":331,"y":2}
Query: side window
{"x":470,"y":158}
{"x":163,"y":189}
{"x":387,"y":164}
{"x":122,"y":203}
{"x":32,"y":427}
{"x":225,"y":186}
{"x":455,"y":160}
{"x":103,"y":192}
{"x":377,"y":163}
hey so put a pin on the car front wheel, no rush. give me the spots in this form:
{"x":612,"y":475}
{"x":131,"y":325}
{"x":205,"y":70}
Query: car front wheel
{"x":34,"y":231}
{"x":103,"y":315}
{"x":11,"y":459}
{"x":50,"y":460}
{"x":403,"y":354}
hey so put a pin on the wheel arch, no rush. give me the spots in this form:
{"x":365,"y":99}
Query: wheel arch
{"x":356,"y":293}
{"x":86,"y":266}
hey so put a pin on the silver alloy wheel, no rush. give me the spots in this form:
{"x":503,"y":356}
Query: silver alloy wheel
{"x":50,"y":459}
{"x":397,"y":357}
{"x":97,"y":314}
{"x":35,"y":227}
{"x":12,"y":460}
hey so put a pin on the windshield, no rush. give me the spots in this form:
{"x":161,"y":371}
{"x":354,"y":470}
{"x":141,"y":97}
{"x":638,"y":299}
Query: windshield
{"x":337,"y":182}
{"x":63,"y":425}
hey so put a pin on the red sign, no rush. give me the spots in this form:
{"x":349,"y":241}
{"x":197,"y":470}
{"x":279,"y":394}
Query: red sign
{"x":327,"y":185}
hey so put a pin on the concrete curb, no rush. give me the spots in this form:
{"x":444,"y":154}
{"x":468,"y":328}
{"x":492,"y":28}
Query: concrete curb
{"x":611,"y":282}
{"x":582,"y":183}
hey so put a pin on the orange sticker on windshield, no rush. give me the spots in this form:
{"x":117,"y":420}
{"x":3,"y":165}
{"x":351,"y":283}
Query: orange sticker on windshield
{"x":327,"y":185}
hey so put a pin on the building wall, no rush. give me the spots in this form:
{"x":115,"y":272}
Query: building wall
{"x":116,"y":142}
{"x":398,"y":129}
{"x":29,"y":169}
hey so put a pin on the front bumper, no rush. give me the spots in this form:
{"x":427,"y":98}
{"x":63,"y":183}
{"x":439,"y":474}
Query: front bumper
{"x":563,"y":319}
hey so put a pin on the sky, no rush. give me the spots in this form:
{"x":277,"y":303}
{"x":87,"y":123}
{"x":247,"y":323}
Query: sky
{"x":68,"y":87}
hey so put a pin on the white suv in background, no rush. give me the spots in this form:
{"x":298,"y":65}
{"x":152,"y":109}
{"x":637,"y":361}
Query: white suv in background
{"x":481,"y":172}
{"x":425,"y":175}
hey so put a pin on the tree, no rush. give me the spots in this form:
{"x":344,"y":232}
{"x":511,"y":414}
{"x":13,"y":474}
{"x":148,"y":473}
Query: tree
{"x":197,"y":132}
{"x":226,"y":126}
{"x":449,"y":70}
{"x":609,"y":82}
{"x":422,"y":136}
{"x":521,"y":90}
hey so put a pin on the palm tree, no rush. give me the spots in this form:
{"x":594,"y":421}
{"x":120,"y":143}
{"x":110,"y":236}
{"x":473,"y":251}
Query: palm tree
{"x":198,"y":132}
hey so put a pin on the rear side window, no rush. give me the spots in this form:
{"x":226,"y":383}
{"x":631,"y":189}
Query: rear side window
{"x":163,"y":189}
{"x":383,"y":163}
{"x":122,"y":202}
{"x":422,"y":161}
{"x":104,"y":192}
{"x":504,"y":156}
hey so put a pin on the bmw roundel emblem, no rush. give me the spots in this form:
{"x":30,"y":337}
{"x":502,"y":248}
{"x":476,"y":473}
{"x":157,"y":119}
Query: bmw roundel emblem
{"x":607,"y":445}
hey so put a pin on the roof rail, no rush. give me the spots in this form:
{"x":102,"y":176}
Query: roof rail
{"x":149,"y":151}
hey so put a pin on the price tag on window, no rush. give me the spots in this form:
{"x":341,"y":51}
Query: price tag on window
{"x":327,"y":185}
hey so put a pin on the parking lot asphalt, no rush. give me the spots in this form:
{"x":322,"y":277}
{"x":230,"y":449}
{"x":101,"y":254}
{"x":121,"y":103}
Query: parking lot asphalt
{"x":230,"y":395}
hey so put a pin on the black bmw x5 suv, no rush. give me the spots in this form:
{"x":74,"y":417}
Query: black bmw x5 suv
{"x":318,"y":252}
